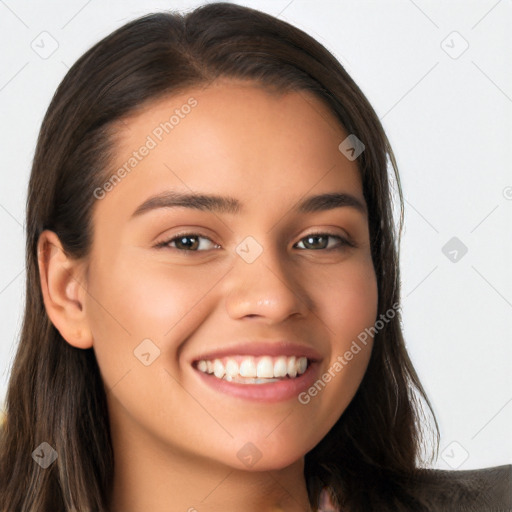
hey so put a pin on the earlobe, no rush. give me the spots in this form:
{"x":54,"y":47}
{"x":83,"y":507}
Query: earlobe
{"x":63,"y":290}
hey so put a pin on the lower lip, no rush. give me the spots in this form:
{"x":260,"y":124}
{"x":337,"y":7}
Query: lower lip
{"x":272,"y":392}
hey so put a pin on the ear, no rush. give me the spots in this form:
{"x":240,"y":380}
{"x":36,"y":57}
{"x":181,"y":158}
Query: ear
{"x":64,"y":288}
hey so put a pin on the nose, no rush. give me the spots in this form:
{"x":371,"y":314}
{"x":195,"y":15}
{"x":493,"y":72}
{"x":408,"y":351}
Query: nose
{"x":267,"y":289}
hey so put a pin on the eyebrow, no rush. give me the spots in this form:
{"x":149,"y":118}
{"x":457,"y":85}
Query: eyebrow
{"x":226,"y":204}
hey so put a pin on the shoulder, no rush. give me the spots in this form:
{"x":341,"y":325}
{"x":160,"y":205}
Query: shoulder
{"x":475,"y":490}
{"x":479,"y":490}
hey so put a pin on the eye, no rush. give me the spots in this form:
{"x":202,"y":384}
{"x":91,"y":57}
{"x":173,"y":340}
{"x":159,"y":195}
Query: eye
{"x":192,"y":242}
{"x":321,"y":241}
{"x":188,"y":242}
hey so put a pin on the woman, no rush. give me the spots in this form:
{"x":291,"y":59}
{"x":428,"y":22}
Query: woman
{"x":212,"y":317}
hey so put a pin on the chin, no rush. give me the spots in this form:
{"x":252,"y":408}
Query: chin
{"x":252,"y":458}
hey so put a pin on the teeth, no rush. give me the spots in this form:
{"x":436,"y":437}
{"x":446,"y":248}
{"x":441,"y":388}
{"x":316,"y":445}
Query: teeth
{"x":302,"y":364}
{"x":265,"y":368}
{"x":281,"y":367}
{"x":247,"y":367}
{"x":251,"y":370}
{"x":231,"y":368}
{"x":292,"y":367}
{"x":218,"y":369}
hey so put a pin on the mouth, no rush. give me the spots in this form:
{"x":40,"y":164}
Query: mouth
{"x":254,"y":370}
{"x":262,"y":378}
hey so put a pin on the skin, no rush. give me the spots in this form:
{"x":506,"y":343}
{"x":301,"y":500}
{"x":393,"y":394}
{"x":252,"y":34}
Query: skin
{"x":175,"y":439}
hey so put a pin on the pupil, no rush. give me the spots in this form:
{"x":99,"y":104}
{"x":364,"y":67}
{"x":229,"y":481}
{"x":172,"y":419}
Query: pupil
{"x":311,"y":240}
{"x":192,"y":245}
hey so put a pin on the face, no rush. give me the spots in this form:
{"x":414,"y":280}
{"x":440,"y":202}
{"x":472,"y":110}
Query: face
{"x":267,"y":274}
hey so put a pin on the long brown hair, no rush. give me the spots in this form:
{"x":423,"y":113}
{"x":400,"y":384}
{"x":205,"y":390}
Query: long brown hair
{"x":56,"y":394}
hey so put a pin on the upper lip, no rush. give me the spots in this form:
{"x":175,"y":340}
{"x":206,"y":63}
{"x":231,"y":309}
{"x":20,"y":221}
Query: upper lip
{"x":260,"y":348}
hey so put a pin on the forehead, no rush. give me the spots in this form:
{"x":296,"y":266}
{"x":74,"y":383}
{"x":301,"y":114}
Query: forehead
{"x":232,"y":138}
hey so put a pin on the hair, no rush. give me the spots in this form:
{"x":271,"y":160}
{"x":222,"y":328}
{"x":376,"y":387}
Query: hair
{"x":371,"y":456}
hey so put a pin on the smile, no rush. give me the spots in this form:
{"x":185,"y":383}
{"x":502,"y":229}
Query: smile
{"x":254,"y":370}
{"x":261,"y":379}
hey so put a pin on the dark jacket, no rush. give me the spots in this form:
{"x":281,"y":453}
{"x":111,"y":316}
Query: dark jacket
{"x":473,"y":490}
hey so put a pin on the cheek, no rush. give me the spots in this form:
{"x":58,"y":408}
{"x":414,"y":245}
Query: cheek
{"x":155,"y":302}
{"x":151,"y":297}
{"x":349,"y":310}
{"x":140,"y":317}
{"x":351,"y":301}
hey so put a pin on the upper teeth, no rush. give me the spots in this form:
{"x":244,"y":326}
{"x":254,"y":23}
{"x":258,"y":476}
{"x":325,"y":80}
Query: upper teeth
{"x":249,"y":366}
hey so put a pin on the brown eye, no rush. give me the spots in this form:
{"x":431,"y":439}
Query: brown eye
{"x":315,"y":241}
{"x":188,"y":242}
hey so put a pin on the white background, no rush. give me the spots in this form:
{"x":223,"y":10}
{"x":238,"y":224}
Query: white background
{"x":448,"y":115}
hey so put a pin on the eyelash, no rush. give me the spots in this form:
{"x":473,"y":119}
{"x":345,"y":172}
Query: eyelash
{"x":343,"y":242}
